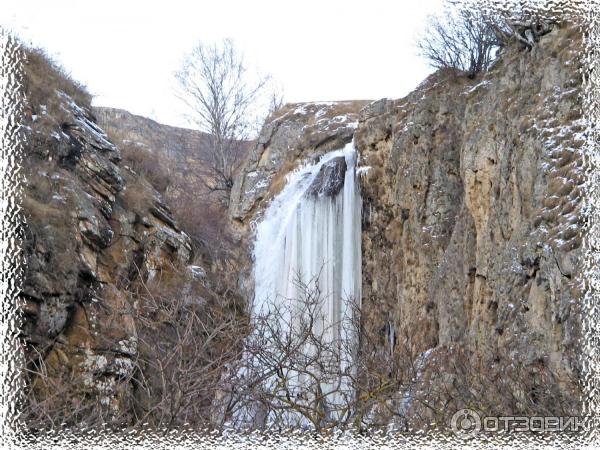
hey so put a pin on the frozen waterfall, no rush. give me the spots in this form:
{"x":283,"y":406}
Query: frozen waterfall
{"x":308,"y":276}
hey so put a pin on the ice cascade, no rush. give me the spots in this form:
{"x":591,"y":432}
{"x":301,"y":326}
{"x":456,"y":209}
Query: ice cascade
{"x":307,"y":262}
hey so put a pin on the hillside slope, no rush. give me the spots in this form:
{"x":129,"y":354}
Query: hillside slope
{"x":180,"y":149}
{"x":110,"y":276}
{"x":177,"y":161}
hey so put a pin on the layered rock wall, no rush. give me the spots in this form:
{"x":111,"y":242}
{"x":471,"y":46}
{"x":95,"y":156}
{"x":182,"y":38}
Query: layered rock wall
{"x":91,"y":228}
{"x":472,"y":206}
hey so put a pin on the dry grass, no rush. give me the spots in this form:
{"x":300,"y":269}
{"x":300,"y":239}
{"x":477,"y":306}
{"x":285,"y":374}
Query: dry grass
{"x":147,"y":163}
{"x":205,"y":221}
{"x":44,"y":76}
{"x":46,"y":112}
{"x":139,"y":195}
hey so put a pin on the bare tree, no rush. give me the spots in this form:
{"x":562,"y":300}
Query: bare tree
{"x":459,"y":39}
{"x":469,"y":39}
{"x":276,"y":102}
{"x":215,"y":84}
{"x":185,"y":342}
{"x":299,"y":371}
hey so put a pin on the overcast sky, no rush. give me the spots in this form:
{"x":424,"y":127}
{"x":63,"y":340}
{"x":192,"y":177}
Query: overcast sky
{"x":127,"y":51}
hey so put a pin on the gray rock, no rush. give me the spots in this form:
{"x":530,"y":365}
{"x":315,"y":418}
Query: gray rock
{"x":330,"y":179}
{"x":297,"y":132}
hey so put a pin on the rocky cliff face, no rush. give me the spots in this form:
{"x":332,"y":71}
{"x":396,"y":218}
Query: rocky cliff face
{"x":92,"y":228}
{"x":473,"y":212}
{"x":179,"y":149}
{"x":295,"y":133}
{"x":471,"y":234}
{"x":471,"y":226}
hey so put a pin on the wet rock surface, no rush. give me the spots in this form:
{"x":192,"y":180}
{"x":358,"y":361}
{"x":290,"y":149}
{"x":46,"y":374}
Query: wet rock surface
{"x":330,"y":179}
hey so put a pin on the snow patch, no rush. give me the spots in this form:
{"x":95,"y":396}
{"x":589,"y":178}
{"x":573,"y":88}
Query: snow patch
{"x":477,"y":86}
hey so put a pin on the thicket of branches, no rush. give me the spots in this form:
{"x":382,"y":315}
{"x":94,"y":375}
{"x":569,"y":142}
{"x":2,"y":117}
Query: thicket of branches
{"x":201,"y":363}
{"x":460,"y":40}
{"x":185,"y":341}
{"x":367,"y":382}
{"x":188,"y":328}
{"x":470,"y":39}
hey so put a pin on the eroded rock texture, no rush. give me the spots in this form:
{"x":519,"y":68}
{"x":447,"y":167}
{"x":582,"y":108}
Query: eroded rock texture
{"x":471,"y":229}
{"x":297,"y":132}
{"x":92,"y":228}
{"x":471,"y":237}
{"x":472,"y":212}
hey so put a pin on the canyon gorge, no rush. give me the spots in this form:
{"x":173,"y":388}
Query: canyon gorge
{"x":440,"y":234}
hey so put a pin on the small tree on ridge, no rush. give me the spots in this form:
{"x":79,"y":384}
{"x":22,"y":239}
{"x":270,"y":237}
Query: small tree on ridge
{"x":460,"y":39}
{"x":215,"y":84}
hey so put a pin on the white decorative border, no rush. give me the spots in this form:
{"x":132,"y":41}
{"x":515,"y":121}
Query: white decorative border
{"x":11,"y":103}
{"x":590,"y":301}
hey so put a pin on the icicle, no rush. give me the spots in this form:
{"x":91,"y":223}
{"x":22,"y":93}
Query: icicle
{"x":311,"y":232}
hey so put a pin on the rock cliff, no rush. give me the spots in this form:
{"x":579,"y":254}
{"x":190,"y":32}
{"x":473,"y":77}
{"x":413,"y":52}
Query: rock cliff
{"x":471,"y":245}
{"x":178,"y":150}
{"x":296,"y":132}
{"x":471,"y":227}
{"x":92,"y":228}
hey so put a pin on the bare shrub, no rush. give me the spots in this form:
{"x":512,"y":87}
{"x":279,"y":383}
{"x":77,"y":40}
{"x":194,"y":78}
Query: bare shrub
{"x":187,"y":331}
{"x":276,"y":102}
{"x":206,"y":223}
{"x":186,"y":337}
{"x":148,"y":163}
{"x":459,"y":39}
{"x":56,"y":397}
{"x":370,"y":384}
{"x":203,"y":363}
{"x":301,"y":373}
{"x":470,"y":38}
{"x":451,"y":378}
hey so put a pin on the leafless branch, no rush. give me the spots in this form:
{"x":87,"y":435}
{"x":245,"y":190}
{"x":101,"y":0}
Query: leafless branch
{"x":459,"y":39}
{"x":215,"y":85}
{"x":469,"y":39}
